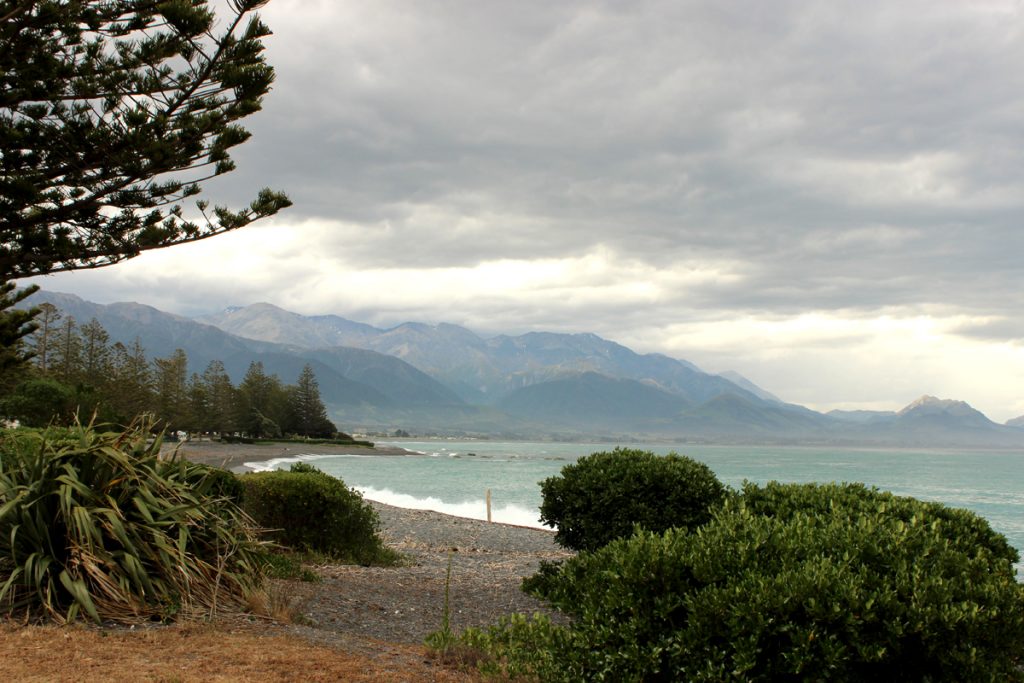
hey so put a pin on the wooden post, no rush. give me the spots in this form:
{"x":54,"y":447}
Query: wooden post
{"x":488,"y":505}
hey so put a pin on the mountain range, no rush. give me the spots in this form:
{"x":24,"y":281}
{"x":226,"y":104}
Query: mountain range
{"x":446,"y":379}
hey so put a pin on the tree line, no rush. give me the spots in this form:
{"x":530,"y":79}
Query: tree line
{"x":75,"y":370}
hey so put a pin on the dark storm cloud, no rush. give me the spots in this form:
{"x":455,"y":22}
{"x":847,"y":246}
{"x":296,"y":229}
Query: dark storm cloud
{"x":844,"y":155}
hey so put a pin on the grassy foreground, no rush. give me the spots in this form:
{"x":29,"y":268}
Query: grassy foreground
{"x":218,"y":652}
{"x":231,"y":646}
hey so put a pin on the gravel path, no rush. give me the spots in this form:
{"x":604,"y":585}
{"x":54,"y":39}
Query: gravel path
{"x":404,"y":604}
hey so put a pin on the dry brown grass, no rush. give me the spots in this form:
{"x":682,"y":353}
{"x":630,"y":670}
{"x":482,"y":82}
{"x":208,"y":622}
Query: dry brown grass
{"x":273,"y":601}
{"x":198,"y":652}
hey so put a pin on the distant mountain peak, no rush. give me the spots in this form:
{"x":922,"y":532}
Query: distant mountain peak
{"x":932,"y":404}
{"x":932,"y":408}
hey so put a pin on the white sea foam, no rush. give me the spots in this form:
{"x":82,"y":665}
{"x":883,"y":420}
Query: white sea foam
{"x":472,"y":509}
{"x":276,"y":463}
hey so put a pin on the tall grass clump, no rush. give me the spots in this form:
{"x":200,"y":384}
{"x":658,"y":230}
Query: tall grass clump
{"x":101,"y":525}
{"x":310,"y":511}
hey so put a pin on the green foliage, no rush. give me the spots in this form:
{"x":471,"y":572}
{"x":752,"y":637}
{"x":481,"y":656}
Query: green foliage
{"x":16,"y":324}
{"x":518,"y":646}
{"x":443,"y":640}
{"x":170,"y":391}
{"x":603,"y":496}
{"x":547,"y":580}
{"x":221,"y":483}
{"x":963,"y":528}
{"x":263,"y":403}
{"x":285,"y":564}
{"x":101,"y":525}
{"x":798,"y":582}
{"x":112,"y":113}
{"x":38,"y":401}
{"x":78,"y":371}
{"x":308,"y":510}
{"x":307,"y":411}
{"x":214,"y":400}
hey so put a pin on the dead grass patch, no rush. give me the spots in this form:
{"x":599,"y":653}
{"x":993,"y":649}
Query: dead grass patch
{"x":199,"y":652}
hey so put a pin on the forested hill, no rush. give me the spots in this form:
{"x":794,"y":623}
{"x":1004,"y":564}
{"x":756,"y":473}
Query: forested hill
{"x":350,"y":379}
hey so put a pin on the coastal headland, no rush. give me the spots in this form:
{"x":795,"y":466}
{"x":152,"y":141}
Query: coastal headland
{"x":233,"y":456}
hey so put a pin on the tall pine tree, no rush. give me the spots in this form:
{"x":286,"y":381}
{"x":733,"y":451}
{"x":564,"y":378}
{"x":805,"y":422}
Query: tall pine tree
{"x":66,"y":358}
{"x":170,"y":385}
{"x":112,"y":112}
{"x":132,"y":382}
{"x":15,"y":326}
{"x":220,"y":400}
{"x":262,"y":403}
{"x":44,"y":337}
{"x":309,"y":414}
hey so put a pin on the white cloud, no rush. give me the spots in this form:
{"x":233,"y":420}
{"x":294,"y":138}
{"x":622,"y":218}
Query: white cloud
{"x":872,"y":362}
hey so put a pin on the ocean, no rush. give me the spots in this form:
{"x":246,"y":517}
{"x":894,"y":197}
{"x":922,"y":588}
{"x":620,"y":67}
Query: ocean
{"x":454,"y":476}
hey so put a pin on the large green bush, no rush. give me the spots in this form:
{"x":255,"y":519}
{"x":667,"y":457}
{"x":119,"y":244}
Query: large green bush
{"x":103,"y":525}
{"x":963,"y":528}
{"x":308,"y":510}
{"x":794,"y":582}
{"x":38,"y":401}
{"x":602,"y":496}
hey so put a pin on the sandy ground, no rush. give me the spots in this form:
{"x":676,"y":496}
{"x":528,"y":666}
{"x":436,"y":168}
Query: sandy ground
{"x":233,"y":456}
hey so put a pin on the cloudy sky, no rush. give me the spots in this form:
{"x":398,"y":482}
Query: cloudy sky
{"x":824,"y":197}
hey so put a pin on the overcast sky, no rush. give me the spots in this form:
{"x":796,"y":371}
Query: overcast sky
{"x":824,"y":197}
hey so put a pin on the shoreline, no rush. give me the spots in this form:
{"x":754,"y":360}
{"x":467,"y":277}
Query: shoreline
{"x":234,"y":456}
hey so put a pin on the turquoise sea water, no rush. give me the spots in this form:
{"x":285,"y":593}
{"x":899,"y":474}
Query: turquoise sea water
{"x":453,"y":476}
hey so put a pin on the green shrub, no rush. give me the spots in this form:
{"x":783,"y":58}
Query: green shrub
{"x":308,"y":510}
{"x":517,"y":646}
{"x":103,"y":525}
{"x":602,"y":496}
{"x":284,"y":564}
{"x":799,"y":582}
{"x":39,"y":401}
{"x":961,"y":527}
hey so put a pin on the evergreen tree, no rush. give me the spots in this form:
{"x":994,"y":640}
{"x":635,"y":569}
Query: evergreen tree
{"x":96,"y":354}
{"x":171,"y":391}
{"x":66,"y":363}
{"x":262,"y":403}
{"x":43,"y":338}
{"x":309,"y":415}
{"x":15,"y":326}
{"x":112,"y":112}
{"x":132,"y":382}
{"x":220,"y":400}
{"x":198,"y":405}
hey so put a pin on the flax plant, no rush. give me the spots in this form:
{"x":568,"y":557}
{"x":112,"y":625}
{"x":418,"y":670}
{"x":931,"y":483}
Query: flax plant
{"x":102,"y":525}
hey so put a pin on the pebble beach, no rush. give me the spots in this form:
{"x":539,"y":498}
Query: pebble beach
{"x":372,"y":605}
